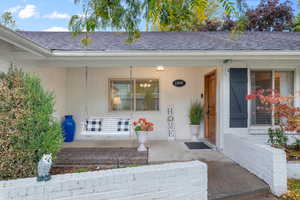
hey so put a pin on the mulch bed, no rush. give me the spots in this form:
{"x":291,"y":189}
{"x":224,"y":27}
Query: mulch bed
{"x":293,"y":155}
{"x":66,"y":170}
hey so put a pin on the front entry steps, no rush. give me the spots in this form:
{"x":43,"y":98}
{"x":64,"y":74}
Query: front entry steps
{"x":228,"y":181}
{"x":101,"y":156}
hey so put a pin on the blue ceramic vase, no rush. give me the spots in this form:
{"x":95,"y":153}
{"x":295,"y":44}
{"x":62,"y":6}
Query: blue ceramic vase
{"x":69,"y":127}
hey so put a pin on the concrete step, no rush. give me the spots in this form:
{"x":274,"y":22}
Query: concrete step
{"x":263,"y":194}
{"x":100,"y":156}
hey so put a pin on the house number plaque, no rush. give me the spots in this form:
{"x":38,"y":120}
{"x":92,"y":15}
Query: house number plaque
{"x":179,"y":83}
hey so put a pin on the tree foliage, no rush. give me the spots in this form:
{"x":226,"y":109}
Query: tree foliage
{"x":286,"y":115}
{"x":8,"y":20}
{"x":270,"y":15}
{"x":296,"y":27}
{"x":27,"y":126}
{"x":242,"y":7}
{"x":127,"y":15}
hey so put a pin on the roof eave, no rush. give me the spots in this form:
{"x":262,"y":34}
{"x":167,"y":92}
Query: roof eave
{"x":224,"y":54}
{"x":12,"y":37}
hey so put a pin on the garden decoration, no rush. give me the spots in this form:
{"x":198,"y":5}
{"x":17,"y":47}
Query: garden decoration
{"x":142,"y":128}
{"x":44,"y":167}
{"x":171,"y":122}
{"x":69,"y":127}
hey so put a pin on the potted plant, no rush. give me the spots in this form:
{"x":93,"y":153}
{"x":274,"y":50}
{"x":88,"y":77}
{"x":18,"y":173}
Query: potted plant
{"x":142,"y":128}
{"x":196,"y":115}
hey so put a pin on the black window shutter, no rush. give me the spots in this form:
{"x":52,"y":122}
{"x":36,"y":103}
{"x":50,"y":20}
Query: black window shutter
{"x":238,"y":102}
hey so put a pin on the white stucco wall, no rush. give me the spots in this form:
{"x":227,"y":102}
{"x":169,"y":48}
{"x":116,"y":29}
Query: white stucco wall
{"x":96,"y":97}
{"x":4,"y":65}
{"x":293,"y":169}
{"x":53,"y":80}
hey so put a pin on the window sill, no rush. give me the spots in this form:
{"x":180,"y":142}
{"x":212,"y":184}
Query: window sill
{"x":262,"y":130}
{"x":140,"y":111}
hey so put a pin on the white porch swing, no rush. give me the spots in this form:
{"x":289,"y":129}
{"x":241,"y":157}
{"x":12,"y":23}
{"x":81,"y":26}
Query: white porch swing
{"x":114,"y":126}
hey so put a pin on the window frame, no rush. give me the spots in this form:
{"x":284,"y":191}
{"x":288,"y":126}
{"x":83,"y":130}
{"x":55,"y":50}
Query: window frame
{"x":273,"y":70}
{"x":133,"y":95}
{"x":110,"y":94}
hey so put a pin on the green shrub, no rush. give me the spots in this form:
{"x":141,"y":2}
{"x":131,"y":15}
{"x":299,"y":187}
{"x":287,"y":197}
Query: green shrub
{"x":196,"y":113}
{"x":296,"y":145}
{"x":277,"y":137}
{"x":27,"y":126}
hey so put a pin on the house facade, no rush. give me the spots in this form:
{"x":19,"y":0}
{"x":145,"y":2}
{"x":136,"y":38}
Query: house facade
{"x":114,"y":78}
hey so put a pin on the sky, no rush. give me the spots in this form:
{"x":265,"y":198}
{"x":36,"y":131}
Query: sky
{"x":53,"y":15}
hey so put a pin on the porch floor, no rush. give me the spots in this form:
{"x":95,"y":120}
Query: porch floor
{"x":226,"y":179}
{"x":159,"y":151}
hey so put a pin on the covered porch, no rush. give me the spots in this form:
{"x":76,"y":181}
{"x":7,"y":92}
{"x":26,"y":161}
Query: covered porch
{"x":91,"y":89}
{"x":133,"y":92}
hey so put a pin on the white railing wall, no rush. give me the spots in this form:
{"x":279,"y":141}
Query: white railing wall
{"x":266,"y":162}
{"x":186,"y":180}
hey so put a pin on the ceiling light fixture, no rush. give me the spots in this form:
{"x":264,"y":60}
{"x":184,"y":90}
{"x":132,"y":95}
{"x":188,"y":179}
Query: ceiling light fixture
{"x":160,"y":68}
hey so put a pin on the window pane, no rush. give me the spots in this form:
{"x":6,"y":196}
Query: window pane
{"x":261,"y":114}
{"x":147,"y":94}
{"x":284,"y":84}
{"x":121,"y":95}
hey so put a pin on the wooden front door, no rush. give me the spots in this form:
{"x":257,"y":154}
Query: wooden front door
{"x":210,"y":106}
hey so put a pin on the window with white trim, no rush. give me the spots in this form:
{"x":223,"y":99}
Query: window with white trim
{"x":282,"y":81}
{"x":134,"y":95}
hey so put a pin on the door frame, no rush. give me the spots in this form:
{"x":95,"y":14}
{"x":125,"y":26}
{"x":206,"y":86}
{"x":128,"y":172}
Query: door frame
{"x":206,"y":132}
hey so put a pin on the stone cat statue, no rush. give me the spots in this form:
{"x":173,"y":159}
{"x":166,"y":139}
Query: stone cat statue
{"x":44,"y":167}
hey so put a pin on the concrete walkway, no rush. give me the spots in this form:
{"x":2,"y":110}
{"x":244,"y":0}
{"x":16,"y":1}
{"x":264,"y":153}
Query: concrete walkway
{"x":226,"y":179}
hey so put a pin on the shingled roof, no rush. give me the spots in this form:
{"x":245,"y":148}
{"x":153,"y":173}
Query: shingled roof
{"x":160,"y":41}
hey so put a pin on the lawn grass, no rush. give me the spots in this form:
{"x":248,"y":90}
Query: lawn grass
{"x":294,"y":190}
{"x":294,"y":185}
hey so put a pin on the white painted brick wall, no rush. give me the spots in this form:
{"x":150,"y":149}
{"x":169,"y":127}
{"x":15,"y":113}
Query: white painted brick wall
{"x":293,"y":170}
{"x":186,"y":180}
{"x":259,"y":158}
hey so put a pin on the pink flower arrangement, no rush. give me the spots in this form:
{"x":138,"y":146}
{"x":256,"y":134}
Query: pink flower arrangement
{"x":143,"y":125}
